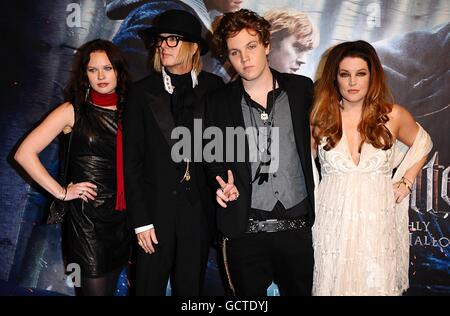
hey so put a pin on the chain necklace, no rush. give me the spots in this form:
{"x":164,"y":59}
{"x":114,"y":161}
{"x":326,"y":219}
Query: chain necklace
{"x":264,"y":117}
{"x":259,"y":175}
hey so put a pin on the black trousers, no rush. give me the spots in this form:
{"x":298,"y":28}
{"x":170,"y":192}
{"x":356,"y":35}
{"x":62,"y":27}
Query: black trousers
{"x":181,"y":255}
{"x":257,"y":259}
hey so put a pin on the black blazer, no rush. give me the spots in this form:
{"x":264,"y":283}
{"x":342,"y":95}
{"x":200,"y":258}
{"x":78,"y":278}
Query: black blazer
{"x":223,"y":109}
{"x":152,"y":178}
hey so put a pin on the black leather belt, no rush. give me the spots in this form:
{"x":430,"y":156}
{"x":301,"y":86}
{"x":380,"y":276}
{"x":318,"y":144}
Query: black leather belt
{"x":273,"y":225}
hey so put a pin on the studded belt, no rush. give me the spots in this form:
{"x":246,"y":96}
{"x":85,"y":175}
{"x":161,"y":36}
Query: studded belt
{"x":273,"y":225}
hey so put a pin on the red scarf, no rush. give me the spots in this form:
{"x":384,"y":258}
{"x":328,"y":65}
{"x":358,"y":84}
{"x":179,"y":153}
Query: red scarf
{"x":105,"y":100}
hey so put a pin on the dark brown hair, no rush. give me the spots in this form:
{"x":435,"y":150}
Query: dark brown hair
{"x":76,"y":90}
{"x":231,"y":23}
{"x":326,"y":116}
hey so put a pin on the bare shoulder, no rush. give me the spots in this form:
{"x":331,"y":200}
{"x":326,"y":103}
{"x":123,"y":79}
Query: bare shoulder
{"x":66,"y":110}
{"x":66,"y":106}
{"x":399,"y":112}
{"x":65,"y":113}
{"x":403,"y":124}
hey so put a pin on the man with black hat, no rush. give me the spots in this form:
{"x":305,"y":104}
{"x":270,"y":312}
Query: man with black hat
{"x":139,"y":14}
{"x":169,"y":204}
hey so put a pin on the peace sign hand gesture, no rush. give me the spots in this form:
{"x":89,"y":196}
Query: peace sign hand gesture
{"x":227,"y":192}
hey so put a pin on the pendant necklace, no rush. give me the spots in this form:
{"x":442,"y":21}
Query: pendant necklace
{"x":264,"y":116}
{"x":261,"y":175}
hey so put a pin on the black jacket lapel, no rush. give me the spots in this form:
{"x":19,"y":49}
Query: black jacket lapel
{"x":298,"y":122}
{"x":159,"y":102}
{"x":200,"y":91}
{"x":236,"y":93}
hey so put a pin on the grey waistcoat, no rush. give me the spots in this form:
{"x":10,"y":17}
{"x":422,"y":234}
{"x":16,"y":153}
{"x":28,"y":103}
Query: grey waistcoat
{"x":287,"y":184}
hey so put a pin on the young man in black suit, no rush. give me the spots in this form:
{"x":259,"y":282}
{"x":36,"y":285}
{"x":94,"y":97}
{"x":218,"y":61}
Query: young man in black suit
{"x":168,"y":201}
{"x":266,"y":205}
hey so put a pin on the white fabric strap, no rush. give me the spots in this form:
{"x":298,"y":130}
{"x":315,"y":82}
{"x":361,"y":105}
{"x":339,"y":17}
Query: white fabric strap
{"x":167,"y":81}
{"x":405,"y":158}
{"x":194,"y":78}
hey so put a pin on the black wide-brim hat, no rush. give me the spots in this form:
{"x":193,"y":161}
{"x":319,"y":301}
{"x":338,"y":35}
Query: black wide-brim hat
{"x":177,"y":22}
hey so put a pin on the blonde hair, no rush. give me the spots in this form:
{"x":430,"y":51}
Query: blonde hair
{"x":297,"y":23}
{"x":184,"y":55}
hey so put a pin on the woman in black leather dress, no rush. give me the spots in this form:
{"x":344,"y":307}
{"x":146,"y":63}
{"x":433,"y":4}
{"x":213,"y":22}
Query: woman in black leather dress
{"x":97,"y":235}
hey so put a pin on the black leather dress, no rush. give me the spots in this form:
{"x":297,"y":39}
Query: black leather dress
{"x":97,"y":235}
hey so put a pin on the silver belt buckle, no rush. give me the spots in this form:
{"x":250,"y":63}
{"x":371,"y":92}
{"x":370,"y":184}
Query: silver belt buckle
{"x":269,"y":225}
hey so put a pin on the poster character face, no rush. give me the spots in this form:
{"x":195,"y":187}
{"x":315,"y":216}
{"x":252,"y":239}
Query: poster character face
{"x":288,"y":55}
{"x":101,"y":73}
{"x":247,"y":54}
{"x":292,"y":36}
{"x":353,"y":79}
{"x":228,"y":5}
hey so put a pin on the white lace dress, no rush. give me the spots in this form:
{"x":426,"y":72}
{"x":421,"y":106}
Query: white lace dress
{"x":355,"y":231}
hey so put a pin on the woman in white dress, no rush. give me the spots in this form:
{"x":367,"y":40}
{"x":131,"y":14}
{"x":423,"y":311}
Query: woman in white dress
{"x":360,"y":236}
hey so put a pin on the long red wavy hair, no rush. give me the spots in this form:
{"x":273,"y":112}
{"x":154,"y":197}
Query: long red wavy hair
{"x":325,"y":114}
